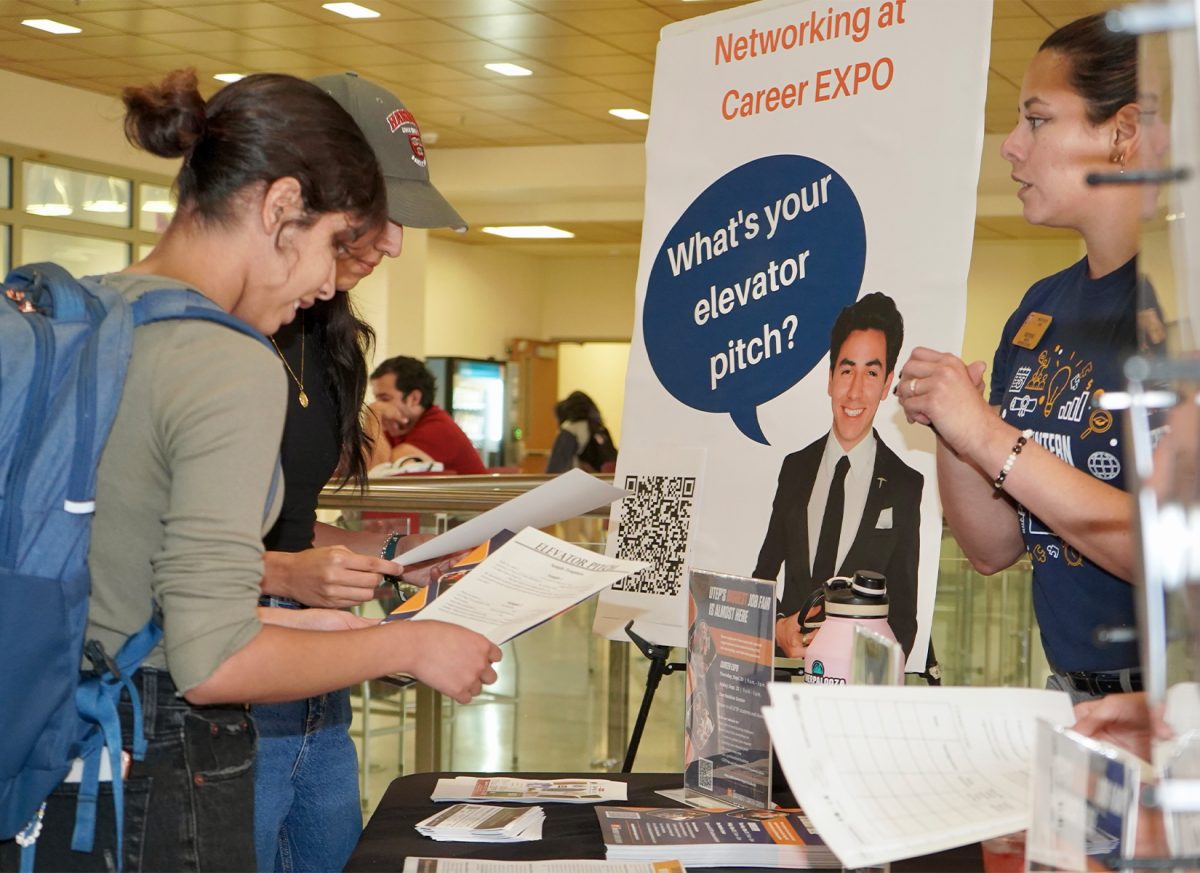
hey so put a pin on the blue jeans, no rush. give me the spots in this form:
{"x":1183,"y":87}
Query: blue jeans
{"x":306,"y":810}
{"x":187,"y":805}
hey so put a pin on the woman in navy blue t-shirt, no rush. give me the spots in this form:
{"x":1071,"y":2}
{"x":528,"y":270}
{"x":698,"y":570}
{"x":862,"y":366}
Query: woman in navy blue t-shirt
{"x":1037,"y":467}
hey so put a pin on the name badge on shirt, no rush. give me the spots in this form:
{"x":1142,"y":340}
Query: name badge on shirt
{"x":1032,"y":330}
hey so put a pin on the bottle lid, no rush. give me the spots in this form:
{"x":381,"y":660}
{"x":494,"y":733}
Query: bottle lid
{"x":862,"y":596}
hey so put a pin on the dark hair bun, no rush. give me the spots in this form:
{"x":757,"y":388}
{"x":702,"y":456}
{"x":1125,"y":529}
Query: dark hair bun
{"x":168,"y":118}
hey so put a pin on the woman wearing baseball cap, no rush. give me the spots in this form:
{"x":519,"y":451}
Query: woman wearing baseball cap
{"x":307,"y":812}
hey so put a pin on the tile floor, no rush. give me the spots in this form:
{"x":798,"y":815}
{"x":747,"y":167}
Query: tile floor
{"x":549,"y":711}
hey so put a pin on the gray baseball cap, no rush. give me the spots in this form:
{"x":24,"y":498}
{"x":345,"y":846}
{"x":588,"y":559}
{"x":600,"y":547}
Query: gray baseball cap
{"x":393,"y":134}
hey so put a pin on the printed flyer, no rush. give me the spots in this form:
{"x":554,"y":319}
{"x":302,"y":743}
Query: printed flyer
{"x":731,"y":641}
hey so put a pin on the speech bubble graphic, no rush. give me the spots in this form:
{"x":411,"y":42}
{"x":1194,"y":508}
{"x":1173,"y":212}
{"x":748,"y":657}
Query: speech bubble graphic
{"x":747,"y":285}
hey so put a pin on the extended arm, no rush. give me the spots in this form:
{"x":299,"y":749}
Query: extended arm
{"x":974,"y":444}
{"x":283,"y":663}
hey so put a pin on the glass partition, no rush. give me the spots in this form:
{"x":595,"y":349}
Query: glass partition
{"x":157,"y":205}
{"x":58,"y":192}
{"x":566,"y":700}
{"x":81,"y":255}
{"x":5,"y":183}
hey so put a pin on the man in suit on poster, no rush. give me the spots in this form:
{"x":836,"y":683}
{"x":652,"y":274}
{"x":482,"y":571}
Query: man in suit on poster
{"x":846,"y":502}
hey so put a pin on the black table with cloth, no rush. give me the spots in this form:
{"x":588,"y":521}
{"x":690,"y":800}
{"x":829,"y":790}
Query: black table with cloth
{"x":570,"y":829}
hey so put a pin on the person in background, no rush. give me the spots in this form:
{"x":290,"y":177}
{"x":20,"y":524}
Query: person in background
{"x":408,"y":424}
{"x":307,"y":814}
{"x":276,"y":181}
{"x":1036,"y":468}
{"x":582,"y":440}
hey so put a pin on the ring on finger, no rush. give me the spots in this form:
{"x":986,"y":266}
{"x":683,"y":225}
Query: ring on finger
{"x":912,"y":386}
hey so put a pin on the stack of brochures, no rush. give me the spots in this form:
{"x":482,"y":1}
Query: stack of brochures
{"x":713,"y":838}
{"x":512,"y":790}
{"x":467,"y":823}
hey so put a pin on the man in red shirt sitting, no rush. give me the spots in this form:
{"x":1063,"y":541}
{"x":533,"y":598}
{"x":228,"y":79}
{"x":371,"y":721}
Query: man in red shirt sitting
{"x":413,"y":425}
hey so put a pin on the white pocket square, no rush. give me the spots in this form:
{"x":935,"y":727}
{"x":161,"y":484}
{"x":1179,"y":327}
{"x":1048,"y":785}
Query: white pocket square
{"x":885,"y":519}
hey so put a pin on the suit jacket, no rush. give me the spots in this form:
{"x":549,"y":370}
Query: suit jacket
{"x":891,"y":550}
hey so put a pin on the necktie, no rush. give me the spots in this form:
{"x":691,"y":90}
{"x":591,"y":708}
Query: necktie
{"x":824,"y":565}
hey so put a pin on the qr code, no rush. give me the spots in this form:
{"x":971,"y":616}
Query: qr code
{"x":655,"y":520}
{"x":705,"y":774}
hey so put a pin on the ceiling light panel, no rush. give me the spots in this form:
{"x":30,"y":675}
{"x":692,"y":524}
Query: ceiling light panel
{"x":530,"y":231}
{"x":49,"y":25}
{"x":509,"y":69}
{"x":350,"y":10}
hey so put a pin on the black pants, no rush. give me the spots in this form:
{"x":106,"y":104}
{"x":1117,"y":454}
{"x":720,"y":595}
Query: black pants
{"x":188,"y":806}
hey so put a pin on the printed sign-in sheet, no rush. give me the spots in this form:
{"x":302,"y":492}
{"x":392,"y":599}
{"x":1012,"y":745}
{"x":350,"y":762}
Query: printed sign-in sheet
{"x":886,"y":773}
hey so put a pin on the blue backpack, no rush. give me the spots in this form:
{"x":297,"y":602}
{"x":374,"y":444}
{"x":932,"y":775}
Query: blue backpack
{"x":64,"y":349}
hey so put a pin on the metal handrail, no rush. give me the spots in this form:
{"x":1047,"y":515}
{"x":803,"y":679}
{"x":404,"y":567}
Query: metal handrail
{"x":439,"y":493}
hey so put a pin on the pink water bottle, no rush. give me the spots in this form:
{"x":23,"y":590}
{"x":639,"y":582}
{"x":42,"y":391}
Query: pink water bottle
{"x":861,"y":600}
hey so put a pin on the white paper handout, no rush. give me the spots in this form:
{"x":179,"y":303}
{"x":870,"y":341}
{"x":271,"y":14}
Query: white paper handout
{"x":477,"y":789}
{"x":566,"y":496}
{"x":563,"y":865}
{"x":528,"y":580}
{"x":467,"y":823}
{"x":886,"y":773}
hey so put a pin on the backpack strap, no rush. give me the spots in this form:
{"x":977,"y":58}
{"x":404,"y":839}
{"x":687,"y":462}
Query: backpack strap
{"x":168,"y":304}
{"x":97,"y":698}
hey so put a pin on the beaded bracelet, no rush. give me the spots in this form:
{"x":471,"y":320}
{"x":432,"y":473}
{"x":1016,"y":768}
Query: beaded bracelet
{"x":1025,"y":436}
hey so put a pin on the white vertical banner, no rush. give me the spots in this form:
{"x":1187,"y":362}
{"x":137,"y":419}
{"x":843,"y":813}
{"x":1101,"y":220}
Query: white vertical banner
{"x":800,"y":156}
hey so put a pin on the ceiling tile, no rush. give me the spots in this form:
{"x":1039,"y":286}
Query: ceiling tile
{"x":312,"y":36}
{"x":444,"y":9}
{"x":87,"y":67}
{"x":585,"y":66}
{"x":604,"y":22}
{"x":39,"y":51}
{"x":206,"y":41}
{"x":312,"y":9}
{"x":420,"y":75}
{"x":360,"y":56}
{"x":403,"y":32}
{"x":550,"y":48}
{"x":554,"y":85}
{"x":1013,"y":71}
{"x":602,"y":101}
{"x":475,"y":50}
{"x":258,"y":14}
{"x":626,"y":82}
{"x":13,"y":23}
{"x":509,"y":102}
{"x":145,"y":21}
{"x":123,"y":46}
{"x":1020,"y":28}
{"x":1015,"y":49}
{"x":635,"y":43}
{"x":555,"y":6}
{"x":462,"y":88}
{"x":1011,"y":9}
{"x":497,"y":27}
{"x":279,"y":60}
{"x":73,"y":6}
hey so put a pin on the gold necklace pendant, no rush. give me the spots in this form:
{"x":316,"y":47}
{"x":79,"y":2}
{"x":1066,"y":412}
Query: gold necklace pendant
{"x":302,"y":397}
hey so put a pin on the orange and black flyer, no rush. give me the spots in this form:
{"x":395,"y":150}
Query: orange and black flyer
{"x":731,"y":644}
